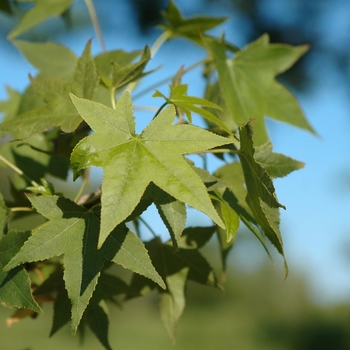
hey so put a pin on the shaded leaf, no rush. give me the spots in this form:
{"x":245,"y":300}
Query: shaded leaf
{"x":4,"y":216}
{"x":73,"y":232}
{"x":156,"y":154}
{"x":172,"y":301}
{"x":15,"y":285}
{"x":276,"y":164}
{"x":42,"y":10}
{"x":261,"y":196}
{"x":58,"y":110}
{"x":249,"y":87}
{"x":43,"y":56}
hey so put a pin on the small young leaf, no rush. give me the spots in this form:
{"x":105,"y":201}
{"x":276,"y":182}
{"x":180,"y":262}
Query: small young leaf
{"x":188,"y":104}
{"x":249,"y":87}
{"x":131,"y":161}
{"x":15,"y":287}
{"x":123,"y":75}
{"x":42,"y":10}
{"x":73,"y":232}
{"x":276,"y":164}
{"x":193,"y":28}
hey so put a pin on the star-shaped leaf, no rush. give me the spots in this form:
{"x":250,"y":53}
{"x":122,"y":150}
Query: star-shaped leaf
{"x":42,"y":10}
{"x":249,"y":87}
{"x":15,"y":287}
{"x":73,"y":232}
{"x":192,"y":28}
{"x":188,"y":104}
{"x":276,"y":164}
{"x":58,"y":109}
{"x":130,"y":161}
{"x":261,"y":196}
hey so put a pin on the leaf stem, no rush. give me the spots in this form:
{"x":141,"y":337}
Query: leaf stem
{"x":165,"y":80}
{"x":113,"y":97}
{"x":83,"y":185}
{"x":21,"y":209}
{"x":159,"y":42}
{"x":148,"y":226}
{"x":95,"y":23}
{"x":18,"y":170}
{"x":160,"y":109}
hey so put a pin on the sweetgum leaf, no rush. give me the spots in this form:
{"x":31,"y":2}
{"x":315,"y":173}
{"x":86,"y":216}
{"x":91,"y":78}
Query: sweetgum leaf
{"x":15,"y":284}
{"x":276,"y":164}
{"x":249,"y":88}
{"x":73,"y":232}
{"x":104,"y":60}
{"x":59,"y":110}
{"x":42,"y":10}
{"x":131,"y":162}
{"x":193,"y":28}
{"x":4,"y":215}
{"x":261,"y":196}
{"x":96,"y":317}
{"x":172,"y":301}
{"x":10,"y":106}
{"x":123,"y":75}
{"x":189,"y":104}
{"x":234,"y":196}
{"x":43,"y":56}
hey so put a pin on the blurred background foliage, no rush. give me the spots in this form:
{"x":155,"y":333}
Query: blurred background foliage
{"x":258,"y":309}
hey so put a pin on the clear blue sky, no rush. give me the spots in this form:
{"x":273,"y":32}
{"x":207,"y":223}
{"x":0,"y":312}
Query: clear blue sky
{"x":316,"y":225}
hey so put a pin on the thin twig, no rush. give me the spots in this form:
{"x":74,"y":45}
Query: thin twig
{"x":148,"y":226}
{"x":95,"y":23}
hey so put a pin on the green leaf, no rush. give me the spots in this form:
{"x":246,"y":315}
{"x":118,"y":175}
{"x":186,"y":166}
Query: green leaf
{"x":97,"y":319}
{"x":15,"y":289}
{"x":4,"y":216}
{"x":261,"y":196}
{"x":123,"y":75}
{"x":11,"y":105}
{"x":193,"y":28}
{"x":132,"y":161}
{"x":172,"y":301}
{"x":43,"y":56}
{"x":42,"y":10}
{"x":104,"y":60}
{"x":188,"y":104}
{"x":173,"y":214}
{"x":59,"y":110}
{"x":73,"y":232}
{"x":276,"y":164}
{"x":249,"y":88}
{"x":234,"y":196}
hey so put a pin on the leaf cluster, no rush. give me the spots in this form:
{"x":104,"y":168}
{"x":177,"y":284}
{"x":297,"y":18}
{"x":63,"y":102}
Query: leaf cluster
{"x":78,"y":113}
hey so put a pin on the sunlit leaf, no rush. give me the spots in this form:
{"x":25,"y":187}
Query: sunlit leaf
{"x":276,"y":164}
{"x":59,"y":110}
{"x":132,"y":161}
{"x":189,"y":104}
{"x":249,"y":87}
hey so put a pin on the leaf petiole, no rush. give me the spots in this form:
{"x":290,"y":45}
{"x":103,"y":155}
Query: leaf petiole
{"x":148,"y":226}
{"x":95,"y":23}
{"x":18,"y":170}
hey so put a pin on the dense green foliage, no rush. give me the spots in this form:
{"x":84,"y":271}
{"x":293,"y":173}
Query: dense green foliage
{"x":77,"y":113}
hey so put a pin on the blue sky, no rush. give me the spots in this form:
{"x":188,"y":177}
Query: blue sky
{"x":316,"y":225}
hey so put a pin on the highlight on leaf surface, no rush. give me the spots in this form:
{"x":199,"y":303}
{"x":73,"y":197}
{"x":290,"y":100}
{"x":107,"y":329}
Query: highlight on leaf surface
{"x":249,"y":88}
{"x":131,"y":162}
